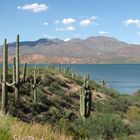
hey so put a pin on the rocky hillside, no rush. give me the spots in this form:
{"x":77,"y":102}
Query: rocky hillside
{"x":92,"y":50}
{"x":113,"y":116}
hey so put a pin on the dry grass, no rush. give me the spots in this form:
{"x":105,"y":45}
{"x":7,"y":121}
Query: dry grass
{"x":22,"y":131}
{"x":17,"y":130}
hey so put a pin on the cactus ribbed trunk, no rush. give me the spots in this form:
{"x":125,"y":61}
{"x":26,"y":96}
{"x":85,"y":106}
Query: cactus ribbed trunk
{"x":24,"y":72}
{"x":85,"y":99}
{"x":0,"y":78}
{"x":14,"y":69}
{"x":34,"y":86}
{"x":5,"y":73}
{"x":17,"y":71}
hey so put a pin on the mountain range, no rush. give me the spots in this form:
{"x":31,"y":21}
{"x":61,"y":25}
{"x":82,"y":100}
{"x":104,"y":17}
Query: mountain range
{"x":93,"y":50}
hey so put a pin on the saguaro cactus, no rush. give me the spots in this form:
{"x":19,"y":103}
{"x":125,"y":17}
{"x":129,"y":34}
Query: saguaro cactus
{"x":16,"y":80}
{"x":0,"y":78}
{"x":85,"y":99}
{"x":4,"y":82}
{"x":35,"y":84}
{"x":4,"y":86}
{"x":14,"y":69}
{"x":24,"y":72}
{"x":17,"y":71}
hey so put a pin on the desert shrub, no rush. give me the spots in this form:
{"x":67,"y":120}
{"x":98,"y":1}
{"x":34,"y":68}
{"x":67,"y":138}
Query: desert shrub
{"x":135,"y":127}
{"x":48,"y":80}
{"x":56,"y":89}
{"x":108,"y":126}
{"x":135,"y":99}
{"x":5,"y":134}
{"x":41,"y":118}
{"x":42,"y":96}
{"x":98,"y":126}
{"x":133,"y":113}
{"x":39,"y":107}
{"x":25,"y":89}
{"x":94,"y":85}
{"x":121,"y":104}
{"x":99,"y":106}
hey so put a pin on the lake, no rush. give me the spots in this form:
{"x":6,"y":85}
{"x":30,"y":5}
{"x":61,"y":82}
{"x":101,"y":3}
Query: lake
{"x":124,"y":78}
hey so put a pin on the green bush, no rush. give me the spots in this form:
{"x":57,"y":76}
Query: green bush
{"x":135,"y":127}
{"x":4,"y":134}
{"x":102,"y":107}
{"x":98,"y":126}
{"x":108,"y":126}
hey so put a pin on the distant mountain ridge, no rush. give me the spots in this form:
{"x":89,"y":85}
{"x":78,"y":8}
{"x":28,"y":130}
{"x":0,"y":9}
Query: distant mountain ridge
{"x":92,"y":50}
{"x":44,"y":41}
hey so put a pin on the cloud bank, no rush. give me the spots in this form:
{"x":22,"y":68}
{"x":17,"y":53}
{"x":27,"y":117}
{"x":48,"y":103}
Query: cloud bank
{"x":34,"y":7}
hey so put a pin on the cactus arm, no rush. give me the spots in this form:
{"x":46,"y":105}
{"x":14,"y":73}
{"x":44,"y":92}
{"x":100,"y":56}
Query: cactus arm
{"x":38,"y":84}
{"x":14,"y":78}
{"x":10,"y":84}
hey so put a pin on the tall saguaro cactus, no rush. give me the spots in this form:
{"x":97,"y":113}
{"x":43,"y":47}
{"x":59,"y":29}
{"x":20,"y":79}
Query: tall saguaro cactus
{"x":5,"y":73}
{"x":14,"y":69}
{"x":24,"y":72}
{"x":85,"y":99}
{"x":35,"y":85}
{"x":16,"y":80}
{"x":17,"y":71}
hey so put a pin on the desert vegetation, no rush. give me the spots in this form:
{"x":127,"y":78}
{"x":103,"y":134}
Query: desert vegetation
{"x":49,"y":103}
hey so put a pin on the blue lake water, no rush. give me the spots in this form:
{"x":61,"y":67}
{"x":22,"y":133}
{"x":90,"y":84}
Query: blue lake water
{"x":124,"y":78}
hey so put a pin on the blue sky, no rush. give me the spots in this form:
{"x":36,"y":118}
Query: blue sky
{"x":65,"y":19}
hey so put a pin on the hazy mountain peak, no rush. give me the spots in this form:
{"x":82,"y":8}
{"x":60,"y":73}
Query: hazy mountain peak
{"x":100,"y":49}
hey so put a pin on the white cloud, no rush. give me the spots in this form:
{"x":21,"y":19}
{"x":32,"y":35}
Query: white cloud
{"x":88,"y":22}
{"x":57,"y":21}
{"x":34,"y":7}
{"x":67,"y":39}
{"x":70,"y":28}
{"x":45,"y":23}
{"x":104,"y":33}
{"x":135,"y":22}
{"x":68,"y":21}
{"x":85,"y":23}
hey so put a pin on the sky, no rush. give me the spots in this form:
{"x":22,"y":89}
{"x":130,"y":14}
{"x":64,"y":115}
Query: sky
{"x":66,"y":19}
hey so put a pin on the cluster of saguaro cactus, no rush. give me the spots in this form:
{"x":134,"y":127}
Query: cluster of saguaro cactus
{"x":16,"y":80}
{"x":85,"y":98}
